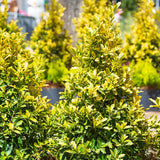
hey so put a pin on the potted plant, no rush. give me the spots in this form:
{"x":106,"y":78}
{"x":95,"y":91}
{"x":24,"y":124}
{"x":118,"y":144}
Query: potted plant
{"x":24,"y":120}
{"x":141,"y":48}
{"x":100,"y":117}
{"x":51,"y":41}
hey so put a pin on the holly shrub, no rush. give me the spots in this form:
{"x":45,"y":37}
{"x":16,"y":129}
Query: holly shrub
{"x":50,"y":39}
{"x":9,"y":27}
{"x":91,"y":9}
{"x":144,"y":39}
{"x":57,"y":72}
{"x":100,"y":117}
{"x":156,"y":126}
{"x":144,"y":74}
{"x":24,"y":115}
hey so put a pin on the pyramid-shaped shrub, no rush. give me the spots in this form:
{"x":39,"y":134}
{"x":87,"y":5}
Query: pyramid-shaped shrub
{"x":50,"y":39}
{"x":91,"y":8}
{"x":24,"y":115}
{"x":144,"y":39}
{"x":100,"y":118}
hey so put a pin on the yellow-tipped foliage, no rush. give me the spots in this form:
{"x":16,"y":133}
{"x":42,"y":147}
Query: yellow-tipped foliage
{"x":144,"y":39}
{"x":24,"y":115}
{"x":11,"y":27}
{"x":100,"y":118}
{"x":91,"y":10}
{"x":49,"y":38}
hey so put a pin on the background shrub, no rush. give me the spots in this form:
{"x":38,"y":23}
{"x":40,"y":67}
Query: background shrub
{"x":24,"y":115}
{"x":85,"y":20}
{"x":129,"y":6}
{"x":50,"y":39}
{"x":100,"y":117}
{"x":57,"y":72}
{"x":11,"y":27}
{"x":143,"y":41}
{"x":144,"y":74}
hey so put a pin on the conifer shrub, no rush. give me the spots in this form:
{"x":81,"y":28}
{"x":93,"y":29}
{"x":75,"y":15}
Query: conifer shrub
{"x":100,"y":117}
{"x":50,"y":39}
{"x":9,"y":27}
{"x":144,"y":39}
{"x":24,"y":115}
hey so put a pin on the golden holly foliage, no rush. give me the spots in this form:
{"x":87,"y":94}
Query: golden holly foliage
{"x":144,"y":39}
{"x":9,"y":27}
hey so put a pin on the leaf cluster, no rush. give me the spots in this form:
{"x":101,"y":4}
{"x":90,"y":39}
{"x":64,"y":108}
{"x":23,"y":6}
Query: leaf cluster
{"x":24,"y":115}
{"x":143,"y":41}
{"x":100,"y":117}
{"x":144,"y":74}
{"x":92,"y":10}
{"x":9,"y":27}
{"x":156,"y":126}
{"x":50,"y":39}
{"x":57,"y":72}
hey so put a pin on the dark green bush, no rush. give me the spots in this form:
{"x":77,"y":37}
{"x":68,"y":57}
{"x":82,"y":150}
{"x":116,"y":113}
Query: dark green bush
{"x":100,"y":118}
{"x":24,"y":115}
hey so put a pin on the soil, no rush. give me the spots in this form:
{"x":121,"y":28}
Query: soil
{"x":53,"y":85}
{"x":149,"y":87}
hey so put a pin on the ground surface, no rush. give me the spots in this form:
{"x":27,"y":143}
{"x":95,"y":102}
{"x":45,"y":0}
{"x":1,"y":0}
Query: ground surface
{"x":150,"y":113}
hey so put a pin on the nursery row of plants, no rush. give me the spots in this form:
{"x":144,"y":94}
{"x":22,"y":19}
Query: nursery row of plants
{"x":100,"y":116}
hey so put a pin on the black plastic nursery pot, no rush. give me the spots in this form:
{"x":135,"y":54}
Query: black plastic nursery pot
{"x":53,"y":94}
{"x":146,"y":94}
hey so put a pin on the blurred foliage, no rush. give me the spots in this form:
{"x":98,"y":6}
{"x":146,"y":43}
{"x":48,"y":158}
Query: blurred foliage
{"x":158,"y":17}
{"x":11,"y":27}
{"x":129,"y":6}
{"x":144,"y":74}
{"x":24,"y":115}
{"x":100,"y":117}
{"x":144,"y":39}
{"x":57,"y":72}
{"x":91,"y":10}
{"x":126,"y":23}
{"x":50,"y":39}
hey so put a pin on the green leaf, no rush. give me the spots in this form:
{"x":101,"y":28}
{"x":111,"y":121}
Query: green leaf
{"x":8,"y":149}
